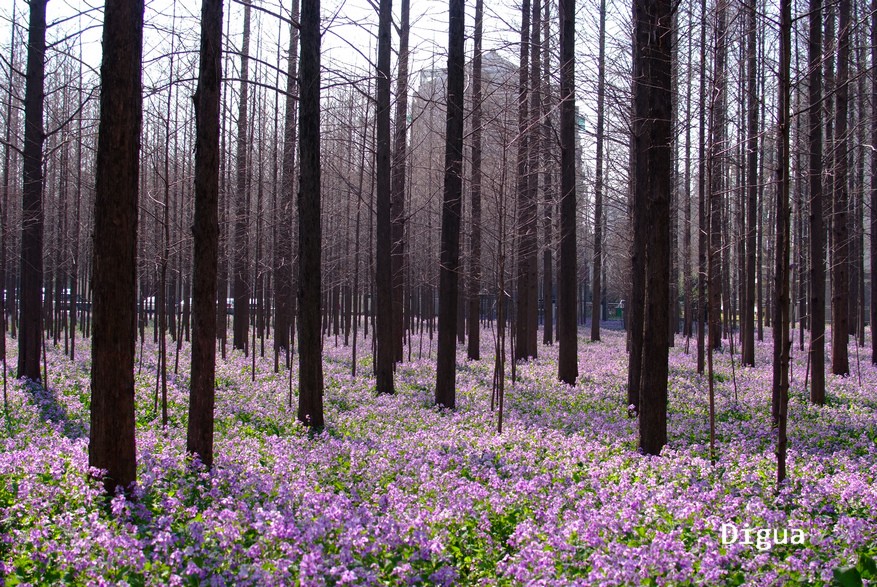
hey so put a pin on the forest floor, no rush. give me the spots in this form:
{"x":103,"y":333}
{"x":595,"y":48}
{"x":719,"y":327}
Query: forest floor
{"x":395,"y":492}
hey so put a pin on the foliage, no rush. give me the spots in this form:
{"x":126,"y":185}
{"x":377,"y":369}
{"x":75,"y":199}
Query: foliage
{"x":393,"y":492}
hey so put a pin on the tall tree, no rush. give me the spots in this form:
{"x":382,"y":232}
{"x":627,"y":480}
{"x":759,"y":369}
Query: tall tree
{"x":31,"y":273}
{"x":549,"y":201}
{"x":205,"y":230}
{"x":598,"y":180}
{"x":873,"y":186}
{"x":445,"y":393}
{"x":4,"y":202}
{"x":701,"y":201}
{"x":535,"y":142}
{"x":526,"y":278}
{"x":383,"y":230}
{"x":397,"y":197}
{"x":687,"y":284}
{"x":310,"y":356}
{"x":653,"y":186}
{"x":840,"y":258}
{"x":817,"y":222}
{"x":716,"y":175}
{"x":473,"y":350}
{"x":748,"y":329}
{"x":241,"y":283}
{"x":781,"y":342}
{"x":114,"y":276}
{"x":567,"y":328}
{"x":283,"y":267}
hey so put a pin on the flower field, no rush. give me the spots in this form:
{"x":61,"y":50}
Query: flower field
{"x":394,"y":492}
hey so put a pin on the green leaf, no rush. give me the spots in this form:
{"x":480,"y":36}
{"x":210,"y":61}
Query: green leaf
{"x":847,"y":577}
{"x":867,"y":566}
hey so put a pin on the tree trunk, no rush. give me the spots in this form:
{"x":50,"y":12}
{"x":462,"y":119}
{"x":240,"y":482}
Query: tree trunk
{"x":715,"y":171}
{"x":383,"y":237}
{"x":525,"y":200}
{"x":534,"y":142}
{"x":598,"y":180}
{"x":752,"y":185}
{"x":651,"y":125}
{"x":445,"y":392}
{"x":817,"y":223}
{"x":31,"y":277}
{"x":567,"y":329}
{"x":873,"y":188}
{"x":310,"y":356}
{"x":5,"y":241}
{"x":701,"y":201}
{"x":283,"y":272}
{"x":688,"y":286}
{"x":781,"y":342}
{"x":548,"y":183}
{"x":205,"y":230}
{"x":112,"y":445}
{"x":397,"y":197}
{"x":474,"y":347}
{"x":241,"y":284}
{"x":840,"y":364}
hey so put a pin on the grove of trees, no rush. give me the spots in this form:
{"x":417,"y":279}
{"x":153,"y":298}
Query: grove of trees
{"x":694,"y":170}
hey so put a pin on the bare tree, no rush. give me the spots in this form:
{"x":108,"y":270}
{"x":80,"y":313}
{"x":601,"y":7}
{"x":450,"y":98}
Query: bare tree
{"x":840,"y":258}
{"x":30,"y":306}
{"x":596,"y":306}
{"x":445,"y":392}
{"x":283,"y":294}
{"x":241,"y":283}
{"x":653,"y":187}
{"x":383,"y":235}
{"x":748,"y":317}
{"x":111,"y":445}
{"x":310,"y":356}
{"x":525,"y":340}
{"x":474,"y":347}
{"x":5,"y":290}
{"x":873,"y":186}
{"x":205,"y":230}
{"x":817,"y":223}
{"x":567,"y":361}
{"x":548,"y":170}
{"x":397,"y":196}
{"x":781,"y":342}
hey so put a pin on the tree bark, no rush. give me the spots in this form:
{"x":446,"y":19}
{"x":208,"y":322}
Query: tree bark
{"x":526,"y":241}
{"x":473,"y":350}
{"x":241,"y":285}
{"x":567,"y":362}
{"x":598,"y":180}
{"x":112,"y":444}
{"x":5,"y":290}
{"x":873,"y":308}
{"x":817,"y":223}
{"x":397,"y":196}
{"x":781,"y":342}
{"x":283,"y":273}
{"x":205,"y":231}
{"x":653,"y":185}
{"x":383,"y":226}
{"x":549,"y":201}
{"x":715,"y":171}
{"x":840,"y":364}
{"x":701,"y":202}
{"x":310,"y":356}
{"x":752,"y":184}
{"x":31,"y":272}
{"x":445,"y":392}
